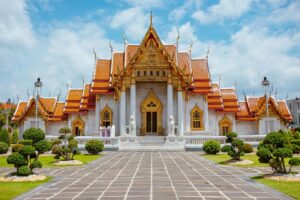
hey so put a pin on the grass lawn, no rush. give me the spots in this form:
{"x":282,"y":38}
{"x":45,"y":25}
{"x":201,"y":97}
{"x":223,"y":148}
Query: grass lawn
{"x":48,"y":160}
{"x":221,"y":158}
{"x":289,"y":188}
{"x":13,"y":189}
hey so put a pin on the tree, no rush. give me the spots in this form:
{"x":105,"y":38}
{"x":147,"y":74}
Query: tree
{"x":275,"y":147}
{"x":34,"y":134}
{"x":15,"y":137}
{"x":4,"y":136}
{"x":235,"y":149}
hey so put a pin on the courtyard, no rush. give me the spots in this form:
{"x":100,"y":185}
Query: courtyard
{"x":151,"y":175}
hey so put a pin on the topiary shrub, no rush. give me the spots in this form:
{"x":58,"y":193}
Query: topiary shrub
{"x":35,"y":164}
{"x":42,"y":146}
{"x":275,"y":147}
{"x":211,"y":147}
{"x":16,"y":147}
{"x":15,"y":137}
{"x":24,"y":171}
{"x":16,"y":159}
{"x":3,"y":147}
{"x":34,"y":134}
{"x":94,"y":146}
{"x":294,"y":162}
{"x":235,"y":149}
{"x":247,"y":148}
{"x":25,"y":142}
{"x":4,"y":136}
{"x":69,"y":147}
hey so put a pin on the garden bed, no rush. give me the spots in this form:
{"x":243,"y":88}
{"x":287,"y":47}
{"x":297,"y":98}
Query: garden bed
{"x":31,"y":178}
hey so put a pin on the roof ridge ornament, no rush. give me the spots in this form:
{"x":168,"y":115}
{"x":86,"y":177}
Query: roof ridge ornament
{"x":151,"y":18}
{"x":207,"y":52}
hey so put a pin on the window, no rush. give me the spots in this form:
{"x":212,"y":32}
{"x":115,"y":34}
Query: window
{"x":78,"y":126}
{"x":145,"y":73}
{"x":157,"y":73}
{"x":151,"y":73}
{"x":225,"y":125}
{"x":138,"y":73}
{"x":106,"y":117}
{"x":196,"y":119}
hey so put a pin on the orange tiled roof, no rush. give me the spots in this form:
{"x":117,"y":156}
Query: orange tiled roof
{"x":244,"y":114}
{"x":7,"y":106}
{"x":230,"y":100}
{"x":214,"y":99}
{"x":184,"y":62}
{"x":101,"y":77}
{"x":130,"y":51}
{"x":201,"y":82}
{"x":118,"y":62}
{"x":58,"y":114}
{"x":87,"y":100}
{"x":21,"y":107}
{"x":73,"y":101}
{"x":284,"y":110}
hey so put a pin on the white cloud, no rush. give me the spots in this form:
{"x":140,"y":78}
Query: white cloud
{"x":133,"y":21}
{"x":179,"y":12}
{"x":15,"y":25}
{"x":146,"y":3}
{"x":225,"y":9}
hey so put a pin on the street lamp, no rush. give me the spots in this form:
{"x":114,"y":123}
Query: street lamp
{"x":8,"y":106}
{"x":265,"y":83}
{"x":38,"y":85}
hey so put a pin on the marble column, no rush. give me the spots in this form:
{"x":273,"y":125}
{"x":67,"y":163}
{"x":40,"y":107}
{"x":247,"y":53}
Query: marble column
{"x":123,"y":112}
{"x":180,"y":112}
{"x":170,"y":105}
{"x":133,"y":102}
{"x":97,"y":114}
{"x":206,"y":119}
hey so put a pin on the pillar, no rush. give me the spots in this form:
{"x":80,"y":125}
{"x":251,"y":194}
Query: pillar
{"x":170,"y":104}
{"x":133,"y":104}
{"x":97,"y":114}
{"x":123,"y":111}
{"x":206,"y":119}
{"x":180,"y":112}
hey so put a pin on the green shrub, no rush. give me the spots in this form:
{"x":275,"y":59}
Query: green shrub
{"x":3,"y":147}
{"x":42,"y":146}
{"x":16,"y":147}
{"x":55,"y":142}
{"x":247,"y":148}
{"x":294,"y":161}
{"x":235,"y":149}
{"x":296,"y":148}
{"x":15,"y":137}
{"x":4,"y":136}
{"x":27,"y":150}
{"x":24,"y":171}
{"x":25,"y":142}
{"x":94,"y":146}
{"x":211,"y":147}
{"x":297,"y":142}
{"x":296,"y":135}
{"x":36,"y":164}
{"x":34,"y":134}
{"x":276,"y":147}
{"x":16,"y":159}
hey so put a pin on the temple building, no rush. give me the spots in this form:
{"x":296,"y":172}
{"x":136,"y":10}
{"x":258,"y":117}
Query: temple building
{"x":152,"y":89}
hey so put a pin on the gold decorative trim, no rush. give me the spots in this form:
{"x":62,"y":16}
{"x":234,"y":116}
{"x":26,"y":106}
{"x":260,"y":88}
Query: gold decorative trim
{"x":151,"y":97}
{"x":225,"y":122}
{"x":78,"y":122}
{"x":106,"y":109}
{"x":192,"y":118}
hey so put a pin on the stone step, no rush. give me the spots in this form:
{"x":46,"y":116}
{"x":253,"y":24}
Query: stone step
{"x":151,"y":140}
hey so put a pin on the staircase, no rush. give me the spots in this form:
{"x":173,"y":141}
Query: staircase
{"x":151,"y":143}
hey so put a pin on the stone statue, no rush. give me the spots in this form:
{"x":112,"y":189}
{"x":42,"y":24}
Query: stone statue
{"x":132,"y":126}
{"x":171,"y":125}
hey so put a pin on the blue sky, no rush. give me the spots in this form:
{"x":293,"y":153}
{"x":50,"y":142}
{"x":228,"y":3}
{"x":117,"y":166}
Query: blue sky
{"x":54,"y":40}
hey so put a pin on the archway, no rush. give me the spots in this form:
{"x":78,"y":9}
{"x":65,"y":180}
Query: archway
{"x":225,"y":125}
{"x":78,"y":126}
{"x":151,"y":110}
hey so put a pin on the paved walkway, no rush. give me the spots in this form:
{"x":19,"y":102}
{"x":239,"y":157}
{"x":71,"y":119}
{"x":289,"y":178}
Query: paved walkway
{"x":151,"y":176}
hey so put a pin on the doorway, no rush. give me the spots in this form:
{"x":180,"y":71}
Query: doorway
{"x":151,"y":120}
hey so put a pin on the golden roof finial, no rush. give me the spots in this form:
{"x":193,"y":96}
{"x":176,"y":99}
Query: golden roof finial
{"x":151,"y":18}
{"x":207,"y":52}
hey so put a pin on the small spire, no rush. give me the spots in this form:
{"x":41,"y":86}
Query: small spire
{"x":235,"y":85}
{"x":287,"y":96}
{"x":95,"y":55}
{"x":111,"y":48}
{"x":28,"y":94}
{"x":207,"y":52}
{"x":151,"y":18}
{"x":124,"y":37}
{"x":220,"y":81}
{"x":58,"y":96}
{"x":82,"y":79}
{"x":68,"y":85}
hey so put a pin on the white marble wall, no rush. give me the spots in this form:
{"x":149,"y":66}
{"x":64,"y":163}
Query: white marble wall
{"x":246,"y":128}
{"x":53,"y":127}
{"x":30,"y":123}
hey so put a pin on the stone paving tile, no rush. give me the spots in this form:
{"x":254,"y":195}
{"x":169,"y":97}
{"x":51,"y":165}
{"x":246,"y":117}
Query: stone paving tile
{"x":151,"y":176}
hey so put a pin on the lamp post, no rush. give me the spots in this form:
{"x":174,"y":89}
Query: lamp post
{"x":37,"y":85}
{"x":8,"y":106}
{"x":265,"y":83}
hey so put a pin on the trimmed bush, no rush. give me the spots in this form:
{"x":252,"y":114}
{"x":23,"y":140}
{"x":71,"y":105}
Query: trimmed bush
{"x":42,"y":146}
{"x":25,"y":142}
{"x":34,"y":134}
{"x":247,"y":148}
{"x":15,"y":137}
{"x":275,"y":148}
{"x":94,"y":146}
{"x":4,"y":136}
{"x":235,"y":149}
{"x":297,"y":142}
{"x":24,"y":171}
{"x":27,"y":150}
{"x":55,"y":142}
{"x":16,"y":159}
{"x":211,"y":147}
{"x":3,"y":147}
{"x":16,"y":147}
{"x":36,"y":164}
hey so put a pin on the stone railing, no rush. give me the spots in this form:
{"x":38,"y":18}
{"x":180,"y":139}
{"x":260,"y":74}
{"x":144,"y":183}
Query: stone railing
{"x":109,"y":142}
{"x":198,"y":141}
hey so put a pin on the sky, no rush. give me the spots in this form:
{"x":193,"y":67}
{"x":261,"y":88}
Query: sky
{"x":55,"y":40}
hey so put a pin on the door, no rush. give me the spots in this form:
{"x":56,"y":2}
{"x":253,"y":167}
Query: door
{"x":151,"y":122}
